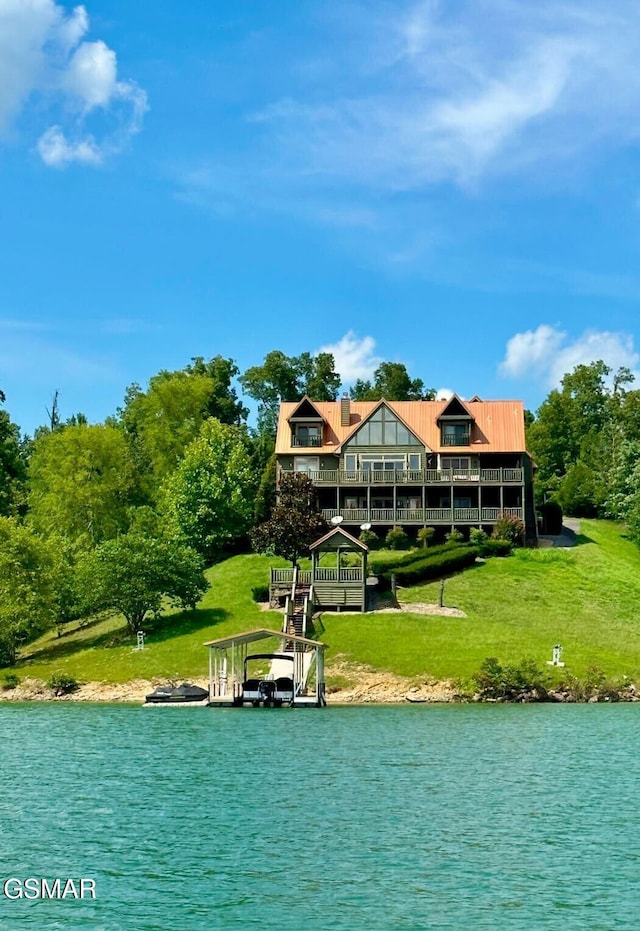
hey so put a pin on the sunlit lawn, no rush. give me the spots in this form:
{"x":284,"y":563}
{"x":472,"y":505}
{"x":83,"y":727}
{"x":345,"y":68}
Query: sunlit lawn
{"x":586,"y":598}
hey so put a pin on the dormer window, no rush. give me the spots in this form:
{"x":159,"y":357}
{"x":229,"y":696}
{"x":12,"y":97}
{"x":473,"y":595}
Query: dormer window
{"x":456,"y":434}
{"x":309,"y":435}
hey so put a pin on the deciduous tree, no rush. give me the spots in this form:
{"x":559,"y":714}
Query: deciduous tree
{"x":391,"y":381}
{"x":295,"y":521}
{"x":27,"y":595}
{"x":137,"y":574}
{"x":209,"y":499}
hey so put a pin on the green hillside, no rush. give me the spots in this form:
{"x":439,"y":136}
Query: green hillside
{"x":585,"y":598}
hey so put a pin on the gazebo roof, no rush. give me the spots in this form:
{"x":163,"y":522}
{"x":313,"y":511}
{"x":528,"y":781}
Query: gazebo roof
{"x":350,"y":541}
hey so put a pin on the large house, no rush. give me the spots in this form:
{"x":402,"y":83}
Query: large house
{"x":411,"y":464}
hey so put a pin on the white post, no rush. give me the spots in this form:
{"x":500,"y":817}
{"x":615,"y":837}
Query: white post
{"x":210,"y":673}
{"x":223,"y":676}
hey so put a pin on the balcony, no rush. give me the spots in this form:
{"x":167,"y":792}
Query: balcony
{"x":415,"y":476}
{"x":456,"y":439}
{"x":404,"y":516}
{"x":306,"y":442}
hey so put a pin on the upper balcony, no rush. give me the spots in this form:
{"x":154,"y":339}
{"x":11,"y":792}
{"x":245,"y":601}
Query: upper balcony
{"x":414,"y":476}
{"x":306,"y":440}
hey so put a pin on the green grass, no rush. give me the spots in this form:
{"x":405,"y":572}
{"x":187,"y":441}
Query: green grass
{"x":587,"y":598}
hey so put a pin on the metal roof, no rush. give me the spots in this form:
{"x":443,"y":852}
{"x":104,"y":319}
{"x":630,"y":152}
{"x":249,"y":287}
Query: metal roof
{"x":498,"y":425}
{"x":261,"y":634}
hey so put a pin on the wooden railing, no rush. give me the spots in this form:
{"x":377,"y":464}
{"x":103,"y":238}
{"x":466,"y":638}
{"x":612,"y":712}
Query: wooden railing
{"x":306,"y":441}
{"x":282,"y":575}
{"x":413,"y":476}
{"x":421,"y":516}
{"x":347,"y":574}
{"x":456,"y":439}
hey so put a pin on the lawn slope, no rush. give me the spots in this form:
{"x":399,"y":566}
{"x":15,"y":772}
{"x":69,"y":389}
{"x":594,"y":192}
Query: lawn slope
{"x":587,"y":598}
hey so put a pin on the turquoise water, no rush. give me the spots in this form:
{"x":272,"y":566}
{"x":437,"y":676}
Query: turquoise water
{"x":454,"y":817}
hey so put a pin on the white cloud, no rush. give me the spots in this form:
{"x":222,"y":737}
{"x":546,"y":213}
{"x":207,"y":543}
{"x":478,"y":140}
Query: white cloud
{"x":354,"y":357}
{"x":455,"y":91}
{"x":56,"y":150}
{"x":43,"y":55}
{"x":547,"y":353}
{"x":443,"y":394}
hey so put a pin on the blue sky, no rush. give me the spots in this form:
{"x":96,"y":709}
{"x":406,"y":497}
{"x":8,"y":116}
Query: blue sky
{"x":453,"y":185}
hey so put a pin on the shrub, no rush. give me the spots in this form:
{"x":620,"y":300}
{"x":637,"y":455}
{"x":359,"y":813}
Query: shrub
{"x":11,"y":681}
{"x":378,"y":566}
{"x":425,"y":535}
{"x":524,"y":682}
{"x":397,"y":539}
{"x":62,"y":684}
{"x":433,"y":566}
{"x":595,"y":685}
{"x":477,"y":536}
{"x":509,"y":528}
{"x":495,"y":548}
{"x":370,"y":538}
{"x":260,"y":593}
{"x":454,"y":536}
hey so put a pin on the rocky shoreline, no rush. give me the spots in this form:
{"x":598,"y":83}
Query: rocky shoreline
{"x":365,"y":687}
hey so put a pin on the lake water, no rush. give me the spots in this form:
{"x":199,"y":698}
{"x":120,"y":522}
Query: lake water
{"x":444,"y":817}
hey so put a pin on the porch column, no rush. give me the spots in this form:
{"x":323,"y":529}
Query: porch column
{"x":337,"y":497}
{"x":369,"y":503}
{"x":502,"y":499}
{"x":424,"y":507}
{"x":395,"y":502}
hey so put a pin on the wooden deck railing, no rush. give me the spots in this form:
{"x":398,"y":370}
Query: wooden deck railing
{"x":413,"y":476}
{"x":421,"y":516}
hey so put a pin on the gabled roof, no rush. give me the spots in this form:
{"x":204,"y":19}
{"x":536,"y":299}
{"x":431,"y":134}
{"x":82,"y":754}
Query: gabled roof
{"x":499,"y":425}
{"x":455,"y":407}
{"x":250,"y":636}
{"x":304,"y":410}
{"x":339,"y":532}
{"x":377,"y":405}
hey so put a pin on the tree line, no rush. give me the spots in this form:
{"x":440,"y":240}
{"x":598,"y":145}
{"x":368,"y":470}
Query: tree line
{"x":585,"y":441}
{"x":124,"y":515}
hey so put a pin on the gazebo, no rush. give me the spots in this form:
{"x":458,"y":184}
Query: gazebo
{"x":339,"y":586}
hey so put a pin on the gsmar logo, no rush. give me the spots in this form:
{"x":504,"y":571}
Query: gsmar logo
{"x":33,"y":888}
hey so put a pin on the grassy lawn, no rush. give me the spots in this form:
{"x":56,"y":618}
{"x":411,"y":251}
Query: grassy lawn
{"x":587,"y":598}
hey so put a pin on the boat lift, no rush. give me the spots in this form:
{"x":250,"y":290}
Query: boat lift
{"x":295,"y":677}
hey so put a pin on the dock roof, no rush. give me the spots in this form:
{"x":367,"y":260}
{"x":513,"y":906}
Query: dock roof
{"x":261,"y":633}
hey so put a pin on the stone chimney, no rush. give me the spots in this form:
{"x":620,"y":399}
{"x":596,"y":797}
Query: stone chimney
{"x":345,"y":410}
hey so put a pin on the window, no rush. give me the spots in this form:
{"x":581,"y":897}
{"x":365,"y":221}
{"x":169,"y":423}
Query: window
{"x":350,"y":462}
{"x":456,"y":434}
{"x":414,"y":461}
{"x":457,"y":463}
{"x":383,"y":429}
{"x":382,"y":463}
{"x":307,"y":436}
{"x":306,"y":463}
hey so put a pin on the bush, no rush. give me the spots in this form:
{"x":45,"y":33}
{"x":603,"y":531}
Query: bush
{"x":477,"y":536}
{"x":62,"y":684}
{"x":425,"y":535}
{"x":509,"y":528}
{"x":260,"y":593}
{"x":524,"y":682}
{"x":595,"y":685}
{"x":378,"y":566}
{"x":370,"y":538}
{"x":433,"y":566}
{"x":495,"y":548}
{"x":454,"y":536}
{"x":11,"y":681}
{"x":397,"y":539}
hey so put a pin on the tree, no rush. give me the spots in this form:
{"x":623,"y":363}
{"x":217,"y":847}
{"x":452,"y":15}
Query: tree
{"x":27,"y":595}
{"x":12,"y":465}
{"x":82,"y":483}
{"x":295,"y":521}
{"x":161,"y":422}
{"x":289,"y":378}
{"x":266,"y":494}
{"x":392,"y":382}
{"x":137,"y":574}
{"x":208,"y":501}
